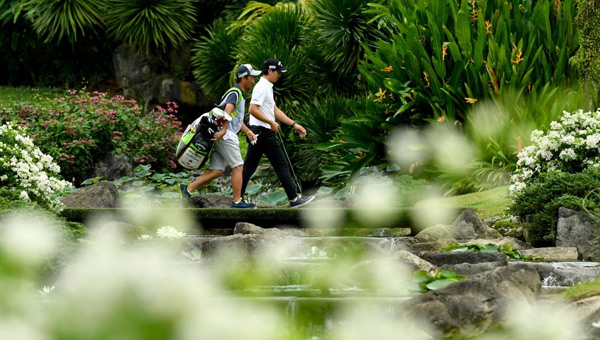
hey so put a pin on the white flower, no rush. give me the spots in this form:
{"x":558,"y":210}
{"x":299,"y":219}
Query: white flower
{"x":24,"y":196}
{"x":145,"y":237}
{"x":592,"y":141}
{"x":567,"y":154}
{"x":571,"y":143}
{"x":46,"y":290}
{"x":34,"y":173}
{"x":169,"y":232}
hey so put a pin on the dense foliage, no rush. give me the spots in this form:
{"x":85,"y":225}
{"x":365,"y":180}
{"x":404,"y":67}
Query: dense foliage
{"x":537,"y":204}
{"x":80,"y":128}
{"x":444,"y":56}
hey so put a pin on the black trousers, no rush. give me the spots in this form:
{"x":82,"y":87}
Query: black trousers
{"x":267,"y":144}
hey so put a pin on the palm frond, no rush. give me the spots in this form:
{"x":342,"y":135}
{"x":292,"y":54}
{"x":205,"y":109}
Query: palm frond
{"x":146,"y":24}
{"x":55,"y":20}
{"x":343,"y":28}
{"x":213,"y":59}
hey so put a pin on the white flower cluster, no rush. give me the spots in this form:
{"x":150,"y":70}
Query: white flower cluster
{"x":169,"y":232}
{"x":571,"y":145}
{"x":24,"y":168}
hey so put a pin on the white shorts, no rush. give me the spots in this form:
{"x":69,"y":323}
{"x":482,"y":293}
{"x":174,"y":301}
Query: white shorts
{"x":225,"y":151}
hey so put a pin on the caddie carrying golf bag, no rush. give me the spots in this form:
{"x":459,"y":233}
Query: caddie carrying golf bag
{"x":196,"y":142}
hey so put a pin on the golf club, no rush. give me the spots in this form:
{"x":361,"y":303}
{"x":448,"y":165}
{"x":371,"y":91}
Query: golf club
{"x":297,"y":182}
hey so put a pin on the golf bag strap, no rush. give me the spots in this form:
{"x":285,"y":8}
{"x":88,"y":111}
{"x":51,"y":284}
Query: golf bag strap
{"x":237,"y":102}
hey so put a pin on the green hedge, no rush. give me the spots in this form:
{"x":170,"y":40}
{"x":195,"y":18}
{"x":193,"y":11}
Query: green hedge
{"x":226,"y":218}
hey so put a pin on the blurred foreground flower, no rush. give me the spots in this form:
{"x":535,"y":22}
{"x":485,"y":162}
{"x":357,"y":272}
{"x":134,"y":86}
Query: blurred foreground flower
{"x":169,"y":232}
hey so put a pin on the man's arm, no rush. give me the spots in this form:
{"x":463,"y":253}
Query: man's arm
{"x":283,"y":118}
{"x":257,"y":113}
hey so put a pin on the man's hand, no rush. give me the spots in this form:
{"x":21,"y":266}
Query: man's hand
{"x":251,"y":136}
{"x":274,"y":126}
{"x":300,"y":129}
{"x":219,"y":135}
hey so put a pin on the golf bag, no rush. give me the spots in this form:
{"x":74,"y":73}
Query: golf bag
{"x":196,"y":143}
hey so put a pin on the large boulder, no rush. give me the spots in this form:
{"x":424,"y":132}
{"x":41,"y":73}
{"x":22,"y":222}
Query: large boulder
{"x":466,"y":226}
{"x":466,"y":263}
{"x":210,"y":201}
{"x":247,"y":240}
{"x":150,"y":80}
{"x":113,"y":167}
{"x":577,"y":229}
{"x":469,"y":223}
{"x":469,"y":307}
{"x":99,"y":195}
{"x":415,"y":262}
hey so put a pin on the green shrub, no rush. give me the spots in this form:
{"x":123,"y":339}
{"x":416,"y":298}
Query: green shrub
{"x":79,"y":128}
{"x":537,"y":204}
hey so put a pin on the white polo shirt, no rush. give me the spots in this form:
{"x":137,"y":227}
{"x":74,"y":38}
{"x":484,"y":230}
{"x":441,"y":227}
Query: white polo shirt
{"x":262,"y":95}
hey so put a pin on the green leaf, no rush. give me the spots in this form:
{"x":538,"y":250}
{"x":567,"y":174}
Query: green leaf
{"x":490,"y":248}
{"x":445,"y":274}
{"x":343,"y":193}
{"x":438,"y":284}
{"x":393,"y":85}
{"x":253,"y":189}
{"x":462,"y":27}
{"x":90,"y":181}
{"x":324,"y":191}
{"x":277,"y":197}
{"x":421,"y":276}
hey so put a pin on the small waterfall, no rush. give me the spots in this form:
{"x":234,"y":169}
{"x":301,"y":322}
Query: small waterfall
{"x":566,"y":274}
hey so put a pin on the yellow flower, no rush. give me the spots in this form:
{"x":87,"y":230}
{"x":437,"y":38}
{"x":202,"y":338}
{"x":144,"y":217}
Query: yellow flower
{"x":470,"y":100}
{"x":488,"y":27}
{"x":380,"y":95}
{"x":519,"y":59}
{"x":388,"y":69}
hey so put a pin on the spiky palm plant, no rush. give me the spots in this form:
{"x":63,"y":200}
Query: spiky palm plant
{"x":321,"y":118}
{"x":343,"y":29}
{"x":147,"y":24}
{"x":70,"y":19}
{"x":279,"y":33}
{"x":213,"y":59}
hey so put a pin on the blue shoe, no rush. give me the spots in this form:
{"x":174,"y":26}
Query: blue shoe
{"x":184,"y":195}
{"x":301,"y":201}
{"x":243,"y":205}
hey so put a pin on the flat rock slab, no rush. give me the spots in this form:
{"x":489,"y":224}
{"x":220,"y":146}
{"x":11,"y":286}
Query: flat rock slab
{"x":440,"y":258}
{"x":553,"y":254}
